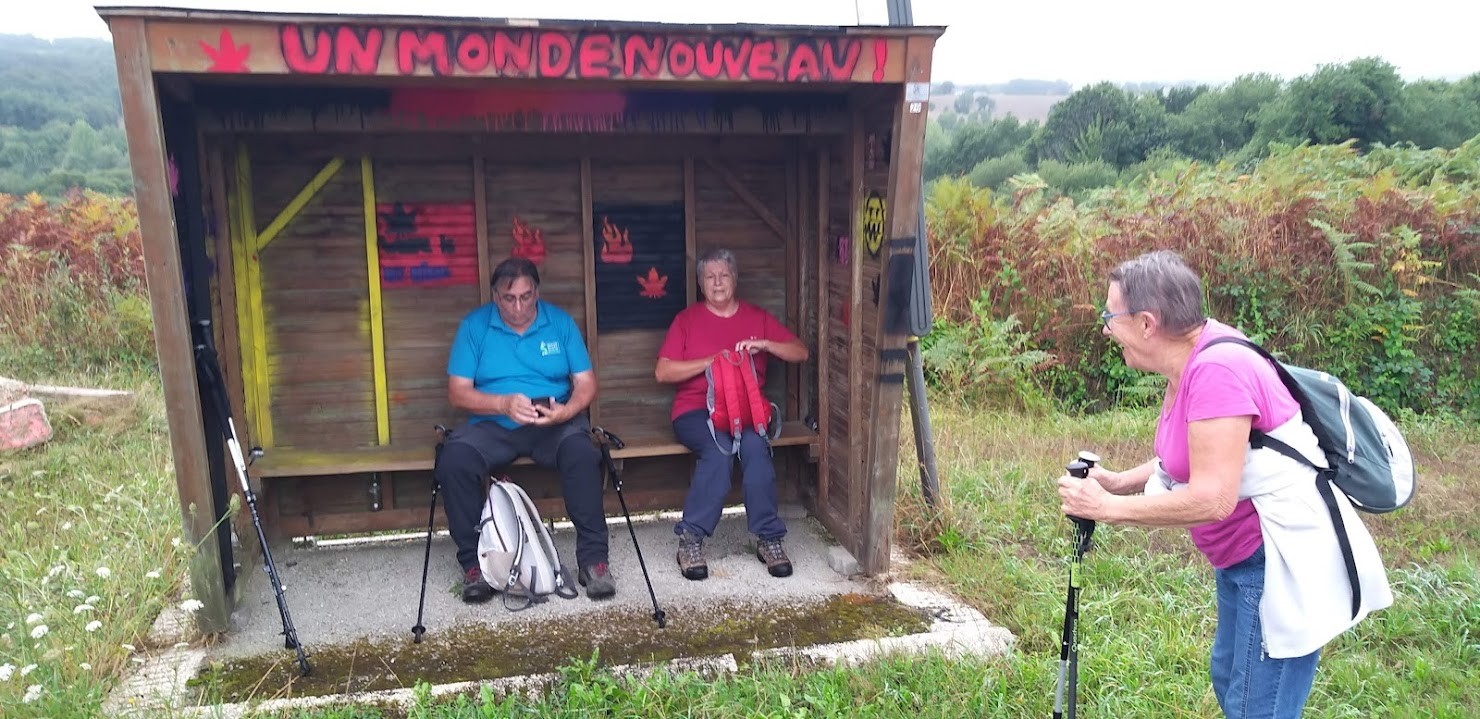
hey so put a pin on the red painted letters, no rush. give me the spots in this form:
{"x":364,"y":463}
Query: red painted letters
{"x":548,"y":53}
{"x":414,"y":49}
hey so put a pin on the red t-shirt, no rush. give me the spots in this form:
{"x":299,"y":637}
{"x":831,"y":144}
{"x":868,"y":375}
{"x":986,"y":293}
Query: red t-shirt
{"x":698,"y":333}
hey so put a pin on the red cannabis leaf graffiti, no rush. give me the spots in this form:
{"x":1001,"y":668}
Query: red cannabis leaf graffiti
{"x":227,"y":56}
{"x":654,"y":286}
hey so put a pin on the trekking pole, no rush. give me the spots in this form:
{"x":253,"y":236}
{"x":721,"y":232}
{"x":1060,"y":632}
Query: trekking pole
{"x":607,"y":440}
{"x":207,"y":364}
{"x":426,"y":560}
{"x":1084,"y":530}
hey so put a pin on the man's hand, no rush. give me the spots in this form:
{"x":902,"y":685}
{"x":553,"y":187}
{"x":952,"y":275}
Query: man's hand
{"x":518,"y":408}
{"x":553,"y":414}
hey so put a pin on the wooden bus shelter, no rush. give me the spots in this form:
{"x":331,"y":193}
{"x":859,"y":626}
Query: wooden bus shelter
{"x":331,"y":191}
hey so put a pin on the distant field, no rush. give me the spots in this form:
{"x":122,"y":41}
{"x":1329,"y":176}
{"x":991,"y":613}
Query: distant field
{"x":1025,"y":107}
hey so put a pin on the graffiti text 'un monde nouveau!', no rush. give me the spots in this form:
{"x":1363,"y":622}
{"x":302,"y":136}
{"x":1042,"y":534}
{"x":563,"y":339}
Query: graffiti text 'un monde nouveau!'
{"x":357,"y":50}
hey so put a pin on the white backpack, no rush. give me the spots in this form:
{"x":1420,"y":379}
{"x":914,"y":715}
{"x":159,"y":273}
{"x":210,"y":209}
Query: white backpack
{"x":515,"y":551}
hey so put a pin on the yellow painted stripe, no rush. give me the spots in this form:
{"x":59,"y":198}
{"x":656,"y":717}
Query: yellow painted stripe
{"x":377,"y":331}
{"x":299,"y":202}
{"x":257,"y":337}
{"x":243,"y":307}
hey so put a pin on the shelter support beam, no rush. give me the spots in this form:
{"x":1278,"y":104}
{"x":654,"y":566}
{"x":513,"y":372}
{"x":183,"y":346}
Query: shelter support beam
{"x":171,"y":324}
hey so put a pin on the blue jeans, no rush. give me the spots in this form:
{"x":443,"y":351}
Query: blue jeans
{"x":712,"y":472}
{"x":1248,"y":684}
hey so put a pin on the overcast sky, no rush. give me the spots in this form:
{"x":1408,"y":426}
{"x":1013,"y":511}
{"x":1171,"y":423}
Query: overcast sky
{"x":1081,"y":41}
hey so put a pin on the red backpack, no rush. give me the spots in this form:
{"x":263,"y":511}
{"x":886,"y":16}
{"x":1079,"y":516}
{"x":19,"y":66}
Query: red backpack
{"x":735,"y":400}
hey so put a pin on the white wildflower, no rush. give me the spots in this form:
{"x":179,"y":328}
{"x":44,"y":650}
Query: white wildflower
{"x":33,"y":693}
{"x":104,"y":572}
{"x":129,"y":647}
{"x":82,"y":608}
{"x":66,"y":526}
{"x":32,"y":618}
{"x":56,"y":569}
{"x":28,"y":669}
{"x":94,"y":599}
{"x":85,"y":667}
{"x":75,"y":594}
{"x":136,"y":660}
{"x":93,"y":626}
{"x":152,"y":574}
{"x":191,"y":605}
{"x":175,"y":542}
{"x":39,"y":632}
{"x":6,"y":671}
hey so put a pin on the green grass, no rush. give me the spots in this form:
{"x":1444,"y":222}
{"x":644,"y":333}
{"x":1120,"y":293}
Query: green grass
{"x":101,"y":495}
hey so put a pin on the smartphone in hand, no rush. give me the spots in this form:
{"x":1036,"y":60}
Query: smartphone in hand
{"x":542,"y":401}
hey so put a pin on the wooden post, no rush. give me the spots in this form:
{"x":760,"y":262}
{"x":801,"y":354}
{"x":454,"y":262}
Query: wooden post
{"x":824,"y":313}
{"x":171,"y":324}
{"x":588,"y":251}
{"x":904,"y":208}
{"x":690,"y":234}
{"x":480,"y":216}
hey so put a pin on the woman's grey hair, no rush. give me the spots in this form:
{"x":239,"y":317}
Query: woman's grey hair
{"x":720,"y":255}
{"x":1161,"y":283}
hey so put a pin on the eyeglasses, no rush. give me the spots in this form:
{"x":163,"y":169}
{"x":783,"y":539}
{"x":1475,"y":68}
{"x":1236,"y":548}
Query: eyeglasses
{"x":1107,"y":315}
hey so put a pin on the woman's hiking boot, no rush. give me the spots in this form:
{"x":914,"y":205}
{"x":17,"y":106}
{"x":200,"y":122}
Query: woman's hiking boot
{"x":691,"y":556}
{"x":770,"y":552}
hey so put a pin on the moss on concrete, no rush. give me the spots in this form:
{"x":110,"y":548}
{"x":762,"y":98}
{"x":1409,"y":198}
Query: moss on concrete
{"x":620,"y":636}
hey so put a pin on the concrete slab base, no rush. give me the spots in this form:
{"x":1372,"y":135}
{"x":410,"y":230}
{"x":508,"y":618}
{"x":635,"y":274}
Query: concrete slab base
{"x":345,"y":592}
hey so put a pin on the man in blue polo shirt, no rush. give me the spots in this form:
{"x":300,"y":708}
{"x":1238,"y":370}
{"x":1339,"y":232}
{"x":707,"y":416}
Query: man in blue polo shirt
{"x":520,"y":368}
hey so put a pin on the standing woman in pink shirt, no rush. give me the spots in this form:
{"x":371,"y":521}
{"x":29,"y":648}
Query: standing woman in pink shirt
{"x":1255,"y":515}
{"x":723,"y":322}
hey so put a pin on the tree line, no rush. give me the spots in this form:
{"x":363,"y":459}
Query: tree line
{"x":1103,"y":133}
{"x":60,"y":117}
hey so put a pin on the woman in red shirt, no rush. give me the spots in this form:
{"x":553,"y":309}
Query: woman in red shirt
{"x":698,"y":333}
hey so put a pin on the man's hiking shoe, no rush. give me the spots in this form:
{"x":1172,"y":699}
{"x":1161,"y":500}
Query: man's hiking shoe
{"x":475,"y":590}
{"x":770,"y":552}
{"x":599,"y":582}
{"x":691,"y":556}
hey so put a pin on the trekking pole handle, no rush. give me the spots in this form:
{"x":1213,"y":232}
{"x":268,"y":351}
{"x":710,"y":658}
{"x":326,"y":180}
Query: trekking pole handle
{"x":609,"y":438}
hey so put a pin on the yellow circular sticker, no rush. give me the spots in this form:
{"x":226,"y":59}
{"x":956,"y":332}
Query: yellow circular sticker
{"x":871,"y":223}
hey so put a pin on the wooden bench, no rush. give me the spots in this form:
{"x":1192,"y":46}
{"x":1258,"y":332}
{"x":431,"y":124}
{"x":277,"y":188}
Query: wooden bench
{"x":291,"y":462}
{"x":372,"y":489}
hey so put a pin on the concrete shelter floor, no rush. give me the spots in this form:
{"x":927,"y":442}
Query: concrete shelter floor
{"x":340,"y":593}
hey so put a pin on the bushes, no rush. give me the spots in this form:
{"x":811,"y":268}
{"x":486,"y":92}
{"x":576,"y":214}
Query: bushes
{"x":72,"y":291}
{"x":1365,"y":265}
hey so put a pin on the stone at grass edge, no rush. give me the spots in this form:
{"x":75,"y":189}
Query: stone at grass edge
{"x":842,"y":561}
{"x":23,"y":424}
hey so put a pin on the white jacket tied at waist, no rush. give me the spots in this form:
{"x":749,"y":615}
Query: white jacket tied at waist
{"x":1307,"y":595}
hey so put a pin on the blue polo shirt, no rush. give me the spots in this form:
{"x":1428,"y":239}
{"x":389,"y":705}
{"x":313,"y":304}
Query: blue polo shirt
{"x":538,"y":363}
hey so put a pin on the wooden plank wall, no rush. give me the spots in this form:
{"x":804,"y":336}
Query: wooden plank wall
{"x":315,"y":304}
{"x":420,"y":322}
{"x":316,"y":301}
{"x":631,"y":402}
{"x":723,"y":220}
{"x":838,"y":490}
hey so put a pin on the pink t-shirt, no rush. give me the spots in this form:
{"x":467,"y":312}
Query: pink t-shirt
{"x":1228,"y":380}
{"x":697,"y":332}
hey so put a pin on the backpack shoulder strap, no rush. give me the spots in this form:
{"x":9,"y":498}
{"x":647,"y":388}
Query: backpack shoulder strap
{"x":723,"y":393}
{"x":1325,"y":476}
{"x":546,"y":545}
{"x":763,"y":412}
